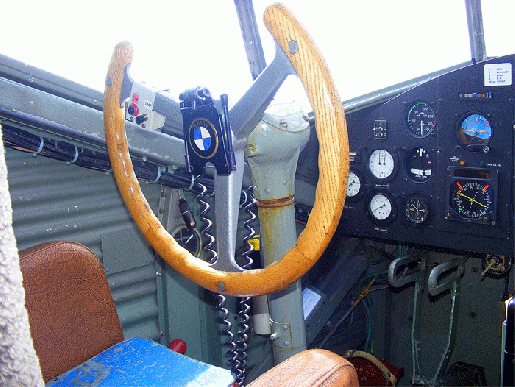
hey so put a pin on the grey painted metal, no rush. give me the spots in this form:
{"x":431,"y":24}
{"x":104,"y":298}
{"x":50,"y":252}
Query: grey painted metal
{"x":398,"y":271}
{"x":227,"y":192}
{"x":438,"y":283}
{"x":273,"y":149}
{"x":251,"y":38}
{"x":451,"y":337}
{"x":83,"y":125}
{"x":189,"y":314}
{"x":55,"y":201}
{"x":476,"y":31}
{"x":53,"y":84}
{"x":272,"y":153}
{"x":286,"y":311}
{"x":246,"y":113}
{"x":336,"y":285}
{"x":244,"y":116}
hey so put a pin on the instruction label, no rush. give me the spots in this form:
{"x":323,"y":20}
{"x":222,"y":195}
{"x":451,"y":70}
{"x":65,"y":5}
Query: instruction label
{"x":498,"y":74}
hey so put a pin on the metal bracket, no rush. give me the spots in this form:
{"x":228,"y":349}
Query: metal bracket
{"x":282,"y":336}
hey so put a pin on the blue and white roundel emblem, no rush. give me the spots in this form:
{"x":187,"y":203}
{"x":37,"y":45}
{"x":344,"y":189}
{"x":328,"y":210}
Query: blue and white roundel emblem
{"x":202,"y":138}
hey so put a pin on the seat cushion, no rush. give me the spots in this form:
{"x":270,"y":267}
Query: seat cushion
{"x":71,"y":310}
{"x":141,"y":362}
{"x":312,"y":368}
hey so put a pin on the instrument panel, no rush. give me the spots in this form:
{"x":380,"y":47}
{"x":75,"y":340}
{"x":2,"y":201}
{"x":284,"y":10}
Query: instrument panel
{"x":434,"y":165}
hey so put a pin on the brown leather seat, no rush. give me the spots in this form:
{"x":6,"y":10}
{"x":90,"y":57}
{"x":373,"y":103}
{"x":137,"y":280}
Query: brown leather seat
{"x":73,"y":318}
{"x":313,"y":368}
{"x":71,"y":310}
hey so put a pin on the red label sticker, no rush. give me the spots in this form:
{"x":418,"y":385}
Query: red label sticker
{"x":135,"y":98}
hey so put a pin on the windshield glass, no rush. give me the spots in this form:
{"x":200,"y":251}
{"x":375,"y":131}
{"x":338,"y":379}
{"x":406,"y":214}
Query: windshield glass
{"x":368,"y":45}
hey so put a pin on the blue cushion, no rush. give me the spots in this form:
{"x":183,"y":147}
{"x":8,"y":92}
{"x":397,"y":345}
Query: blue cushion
{"x":140,"y":362}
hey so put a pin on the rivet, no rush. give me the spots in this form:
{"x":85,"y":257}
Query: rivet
{"x":221,"y":286}
{"x":293,"y":46}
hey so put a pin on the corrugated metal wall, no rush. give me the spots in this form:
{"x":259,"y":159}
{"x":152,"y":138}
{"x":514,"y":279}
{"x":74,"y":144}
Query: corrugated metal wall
{"x":55,"y":201}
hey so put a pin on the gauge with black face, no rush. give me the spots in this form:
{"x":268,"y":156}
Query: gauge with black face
{"x":416,"y":210}
{"x":382,"y":208}
{"x":475,"y":132}
{"x":471,"y":199}
{"x":188,"y":238}
{"x":421,"y":119}
{"x":419,"y":164}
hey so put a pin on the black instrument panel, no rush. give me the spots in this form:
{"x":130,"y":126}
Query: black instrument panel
{"x":434,"y":165}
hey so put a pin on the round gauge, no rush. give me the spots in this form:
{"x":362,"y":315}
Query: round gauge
{"x":354,"y":185}
{"x":416,"y":210}
{"x":421,"y":119}
{"x":419,"y":164}
{"x":381,"y":164}
{"x":382,"y":208}
{"x":188,"y":238}
{"x":496,"y":266}
{"x":472,"y":199}
{"x":475,"y":132}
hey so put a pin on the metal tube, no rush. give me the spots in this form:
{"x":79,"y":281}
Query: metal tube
{"x":476,"y":32}
{"x":272,"y":153}
{"x":251,"y":39}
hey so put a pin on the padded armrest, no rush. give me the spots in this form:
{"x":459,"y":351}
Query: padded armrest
{"x":312,"y":368}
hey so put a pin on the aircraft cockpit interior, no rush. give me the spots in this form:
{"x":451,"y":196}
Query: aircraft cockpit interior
{"x":342,"y":215}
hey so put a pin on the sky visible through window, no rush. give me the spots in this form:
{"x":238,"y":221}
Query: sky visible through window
{"x":368,"y":45}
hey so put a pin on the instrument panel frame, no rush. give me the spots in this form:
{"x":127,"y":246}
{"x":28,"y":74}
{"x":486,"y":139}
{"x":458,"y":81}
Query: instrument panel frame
{"x":453,"y":96}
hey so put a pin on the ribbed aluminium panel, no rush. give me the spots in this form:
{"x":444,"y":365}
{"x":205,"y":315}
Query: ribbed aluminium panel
{"x":54,"y":201}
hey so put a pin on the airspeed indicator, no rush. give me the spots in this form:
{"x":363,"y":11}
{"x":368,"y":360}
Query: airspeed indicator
{"x":421,"y":119}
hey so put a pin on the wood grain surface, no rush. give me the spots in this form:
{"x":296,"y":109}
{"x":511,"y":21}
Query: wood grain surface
{"x":332,"y":184}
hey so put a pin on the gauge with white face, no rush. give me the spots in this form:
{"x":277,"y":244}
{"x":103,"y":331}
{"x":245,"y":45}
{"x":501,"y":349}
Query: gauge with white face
{"x":353,"y":185}
{"x":381,"y":164}
{"x":382,"y":208}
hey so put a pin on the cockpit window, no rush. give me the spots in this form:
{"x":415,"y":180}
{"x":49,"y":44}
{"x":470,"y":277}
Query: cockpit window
{"x":368,"y":45}
{"x":497,"y":19}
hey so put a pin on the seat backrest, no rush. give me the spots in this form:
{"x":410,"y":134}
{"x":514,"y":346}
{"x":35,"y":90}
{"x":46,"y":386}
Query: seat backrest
{"x":71,"y":310}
